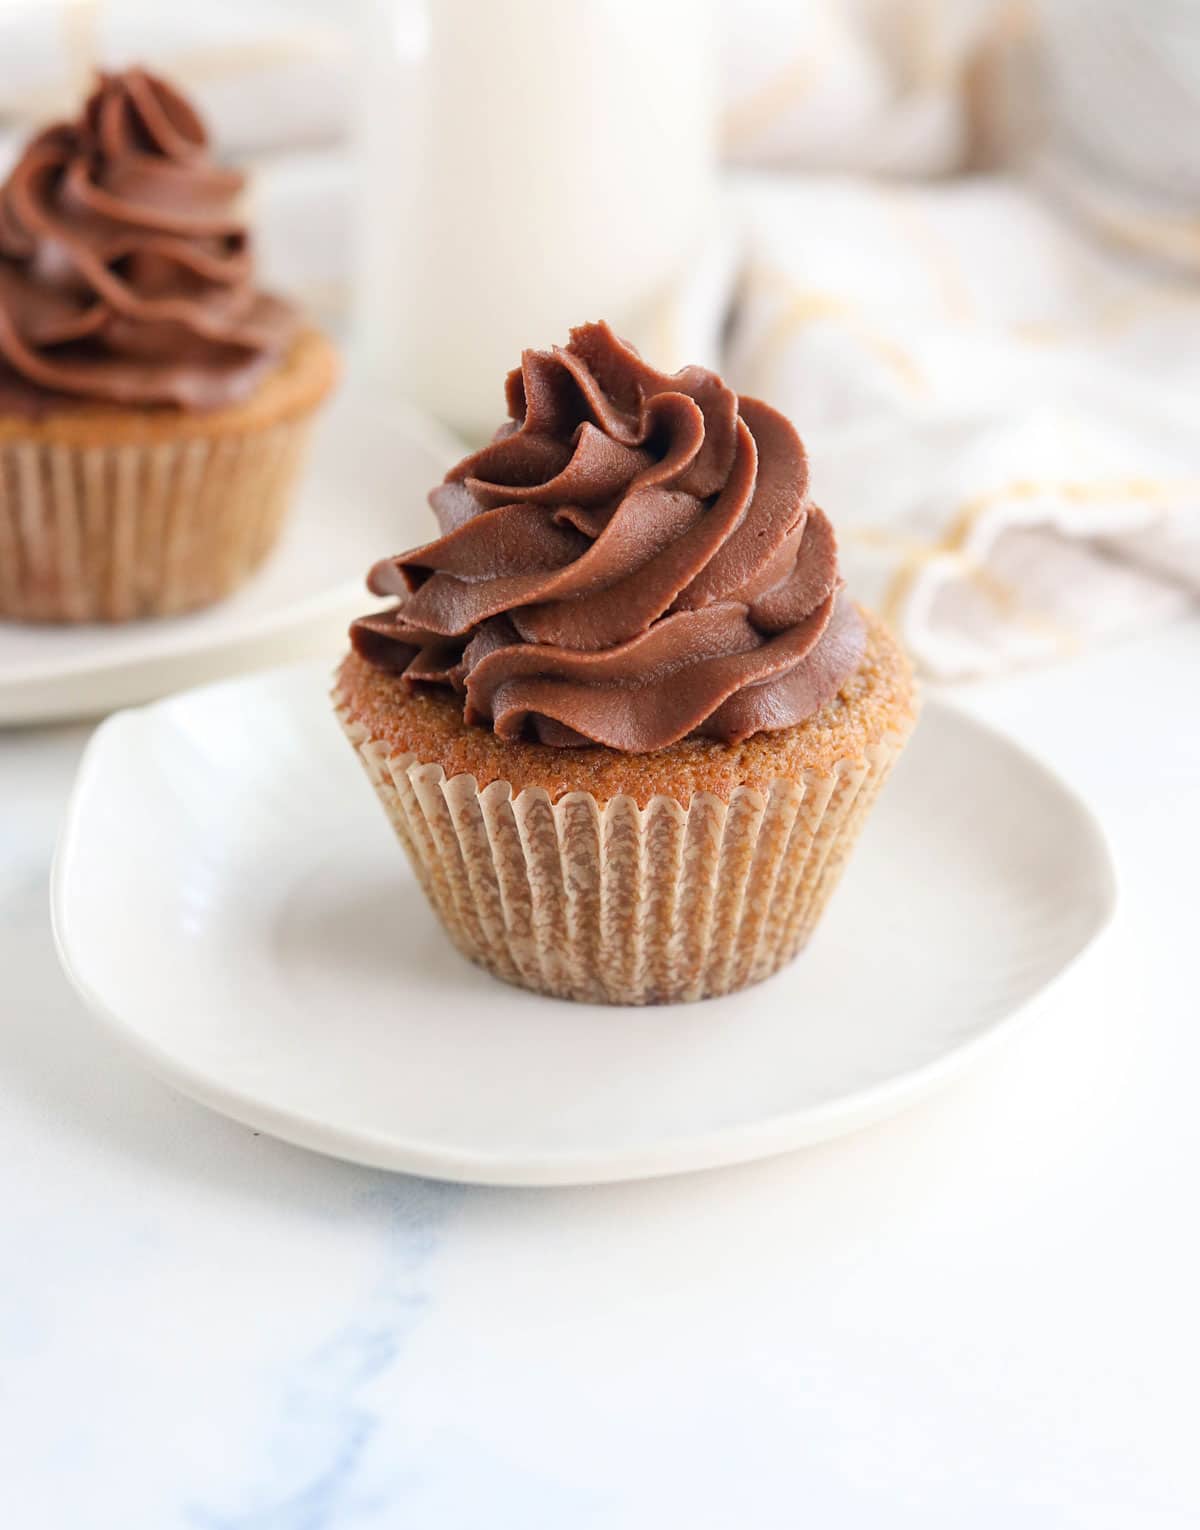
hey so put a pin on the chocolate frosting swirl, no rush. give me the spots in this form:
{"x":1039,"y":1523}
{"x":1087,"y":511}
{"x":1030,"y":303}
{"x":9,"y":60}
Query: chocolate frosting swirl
{"x":634,"y":559}
{"x":125,"y":272}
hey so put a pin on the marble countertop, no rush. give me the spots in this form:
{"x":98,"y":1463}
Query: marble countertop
{"x":981,"y":1314}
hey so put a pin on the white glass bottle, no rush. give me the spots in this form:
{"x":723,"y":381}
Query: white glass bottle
{"x":525,"y":165}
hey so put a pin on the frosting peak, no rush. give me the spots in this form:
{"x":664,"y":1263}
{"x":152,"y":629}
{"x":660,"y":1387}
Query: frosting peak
{"x":633,"y":559}
{"x":125,"y":270}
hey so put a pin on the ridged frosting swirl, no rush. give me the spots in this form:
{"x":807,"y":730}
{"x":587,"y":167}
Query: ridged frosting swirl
{"x":634,"y":559}
{"x":126,"y":273}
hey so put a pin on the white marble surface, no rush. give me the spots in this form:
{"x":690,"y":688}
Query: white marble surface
{"x":982,"y":1314}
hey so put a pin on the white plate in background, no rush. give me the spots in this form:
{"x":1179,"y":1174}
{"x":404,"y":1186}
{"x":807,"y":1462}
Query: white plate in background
{"x":229,"y":899}
{"x":361,"y":497}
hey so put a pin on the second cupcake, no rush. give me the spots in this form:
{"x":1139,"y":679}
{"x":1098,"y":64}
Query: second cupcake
{"x":154,"y":404}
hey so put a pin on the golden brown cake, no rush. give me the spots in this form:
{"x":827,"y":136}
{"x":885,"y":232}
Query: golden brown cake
{"x":623,"y":719}
{"x":876,"y":701}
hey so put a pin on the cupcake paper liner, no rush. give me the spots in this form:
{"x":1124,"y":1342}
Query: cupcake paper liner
{"x":109,"y":533}
{"x":619,"y":904}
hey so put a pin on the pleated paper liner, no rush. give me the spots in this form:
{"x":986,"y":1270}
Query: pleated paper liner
{"x":112,"y":533}
{"x":618,"y":904}
{"x":155,"y":521}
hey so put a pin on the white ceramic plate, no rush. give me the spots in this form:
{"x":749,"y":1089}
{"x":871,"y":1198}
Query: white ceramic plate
{"x":229,"y":898}
{"x":363,"y":495}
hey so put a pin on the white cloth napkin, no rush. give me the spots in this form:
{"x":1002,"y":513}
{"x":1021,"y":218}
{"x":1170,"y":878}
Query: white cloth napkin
{"x":1001,"y":416}
{"x":268,"y":75}
{"x":876,"y":86}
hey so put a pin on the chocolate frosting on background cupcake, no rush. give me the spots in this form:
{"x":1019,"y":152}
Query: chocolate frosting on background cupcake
{"x":126,"y":274}
{"x":634,"y":559}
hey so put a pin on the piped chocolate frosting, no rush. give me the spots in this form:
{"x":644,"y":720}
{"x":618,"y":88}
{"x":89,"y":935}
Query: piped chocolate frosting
{"x":126,"y":274}
{"x":634,"y":559}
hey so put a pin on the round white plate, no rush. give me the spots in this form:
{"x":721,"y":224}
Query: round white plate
{"x":229,"y":898}
{"x":362,"y":495}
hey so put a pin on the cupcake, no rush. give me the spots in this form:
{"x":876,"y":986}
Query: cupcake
{"x":154,"y":403}
{"x":623,"y":718}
